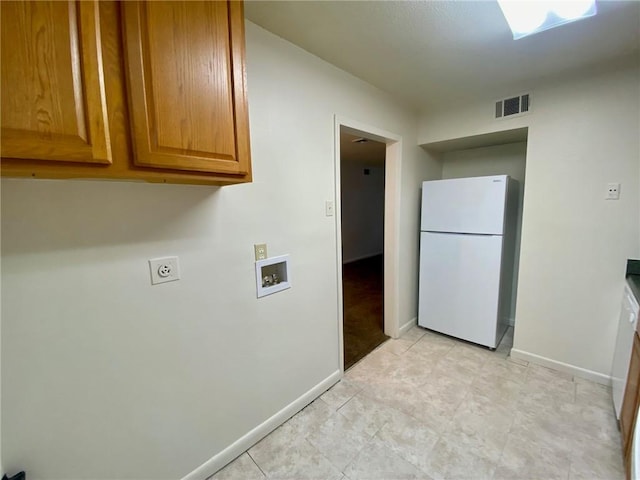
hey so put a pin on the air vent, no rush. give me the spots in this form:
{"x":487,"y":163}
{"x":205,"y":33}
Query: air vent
{"x":513,"y":106}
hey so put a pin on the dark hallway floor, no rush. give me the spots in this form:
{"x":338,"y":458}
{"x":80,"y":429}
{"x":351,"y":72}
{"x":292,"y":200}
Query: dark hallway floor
{"x":362,"y":286}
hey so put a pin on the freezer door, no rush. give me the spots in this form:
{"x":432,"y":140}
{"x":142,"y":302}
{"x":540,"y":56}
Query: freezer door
{"x":459,"y":285}
{"x":465,"y":205}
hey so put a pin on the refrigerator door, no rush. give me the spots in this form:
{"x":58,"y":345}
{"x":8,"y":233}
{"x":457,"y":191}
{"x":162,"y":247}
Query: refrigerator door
{"x":465,"y":205}
{"x":459,"y":285}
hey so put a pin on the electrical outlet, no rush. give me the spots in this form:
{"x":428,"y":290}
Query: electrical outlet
{"x":613,"y":191}
{"x":164,"y":269}
{"x":260,"y":250}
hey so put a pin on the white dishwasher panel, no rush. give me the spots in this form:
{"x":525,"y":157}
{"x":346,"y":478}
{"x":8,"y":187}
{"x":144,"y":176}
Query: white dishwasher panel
{"x":624,"y":344}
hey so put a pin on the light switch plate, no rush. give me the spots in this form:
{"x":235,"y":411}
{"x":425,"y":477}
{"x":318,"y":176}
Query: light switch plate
{"x":328,"y":208}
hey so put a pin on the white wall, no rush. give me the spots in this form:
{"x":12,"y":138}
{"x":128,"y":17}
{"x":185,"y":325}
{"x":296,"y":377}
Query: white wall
{"x":105,"y":376}
{"x":362,"y":210}
{"x":583,"y":133}
{"x":508,"y":159}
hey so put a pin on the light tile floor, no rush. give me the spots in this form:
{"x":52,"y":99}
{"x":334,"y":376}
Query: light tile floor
{"x":426,"y":406}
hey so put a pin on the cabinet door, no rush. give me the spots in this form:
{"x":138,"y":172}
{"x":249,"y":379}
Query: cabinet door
{"x":630,"y":401}
{"x":185,"y":70}
{"x":53,"y":100}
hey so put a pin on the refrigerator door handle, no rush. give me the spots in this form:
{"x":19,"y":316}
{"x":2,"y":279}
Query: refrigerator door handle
{"x":464,"y":233}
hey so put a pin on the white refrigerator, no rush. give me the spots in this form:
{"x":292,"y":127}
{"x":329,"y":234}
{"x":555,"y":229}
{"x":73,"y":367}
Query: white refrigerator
{"x":467,"y":257}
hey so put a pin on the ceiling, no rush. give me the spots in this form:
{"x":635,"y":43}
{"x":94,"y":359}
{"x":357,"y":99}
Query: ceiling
{"x":370,"y":152}
{"x":430,"y":54}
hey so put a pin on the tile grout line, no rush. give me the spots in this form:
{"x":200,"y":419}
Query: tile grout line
{"x":256,"y":464}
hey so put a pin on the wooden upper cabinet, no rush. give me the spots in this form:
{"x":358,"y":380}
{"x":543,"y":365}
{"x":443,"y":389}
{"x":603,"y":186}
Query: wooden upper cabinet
{"x":186,"y":85}
{"x":53,"y":98}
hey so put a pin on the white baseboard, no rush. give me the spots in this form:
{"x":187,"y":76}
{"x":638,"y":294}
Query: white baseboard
{"x":562,"y":367}
{"x":245,"y":442}
{"x":407,"y":326}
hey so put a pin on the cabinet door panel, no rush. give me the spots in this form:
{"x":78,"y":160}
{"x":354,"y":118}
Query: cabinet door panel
{"x":187,"y":95}
{"x":630,"y":401}
{"x":53,"y":100}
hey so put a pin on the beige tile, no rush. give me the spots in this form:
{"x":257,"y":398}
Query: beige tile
{"x":312,"y":416}
{"x":597,"y":462}
{"x":552,"y":419}
{"x":600,"y":424}
{"x":487,"y":443}
{"x":435,"y":337}
{"x":470,"y":357}
{"x":373,"y":369}
{"x":590,"y":393}
{"x":584,"y":381}
{"x":285,"y":455}
{"x":498,"y":368}
{"x":367,"y":414}
{"x":437,"y":419}
{"x":428,"y":406}
{"x":431,"y":350}
{"x":450,"y":367}
{"x":444,"y":391}
{"x":539,"y":390}
{"x":397,"y":346}
{"x":378,"y":462}
{"x":396,"y":394}
{"x":523,"y":459}
{"x":593,"y":414}
{"x":409,"y":438}
{"x":503,"y":392}
{"x":414,"y":370}
{"x":538,"y":371}
{"x":481,"y":414}
{"x":519,"y":361}
{"x":539,"y":401}
{"x":340,"y":393}
{"x":415,"y":333}
{"x":595,"y":427}
{"x":339,"y":439}
{"x":280,"y":439}
{"x":435,"y":412}
{"x":456,"y":457}
{"x":242,"y":468}
{"x":433,"y":345}
{"x":438,"y":401}
{"x":561,"y":427}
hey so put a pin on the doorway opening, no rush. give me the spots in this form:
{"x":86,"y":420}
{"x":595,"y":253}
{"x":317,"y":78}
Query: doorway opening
{"x":362,"y":197}
{"x":391,"y":251}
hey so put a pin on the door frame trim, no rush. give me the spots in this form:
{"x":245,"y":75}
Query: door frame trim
{"x":392,"y":183}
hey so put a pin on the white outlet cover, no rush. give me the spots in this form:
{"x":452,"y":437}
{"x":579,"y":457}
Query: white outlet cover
{"x":260,"y":250}
{"x":613,"y":191}
{"x":164,"y":269}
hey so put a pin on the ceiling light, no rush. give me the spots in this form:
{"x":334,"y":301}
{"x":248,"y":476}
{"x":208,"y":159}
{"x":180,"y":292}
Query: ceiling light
{"x":526,"y":17}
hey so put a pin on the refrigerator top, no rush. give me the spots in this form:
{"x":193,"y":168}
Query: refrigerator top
{"x":473,"y":205}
